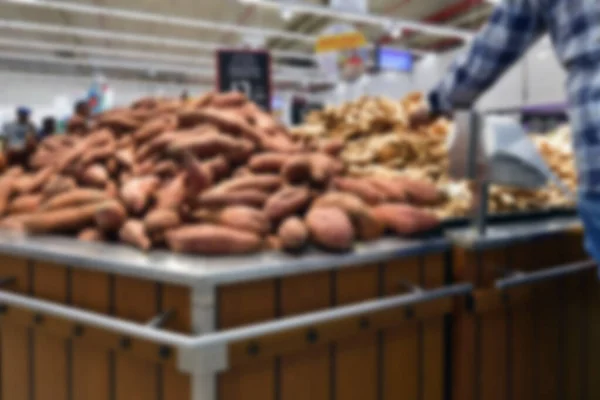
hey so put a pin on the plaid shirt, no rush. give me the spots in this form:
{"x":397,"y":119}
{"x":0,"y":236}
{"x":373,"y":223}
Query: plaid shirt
{"x":574,"y":27}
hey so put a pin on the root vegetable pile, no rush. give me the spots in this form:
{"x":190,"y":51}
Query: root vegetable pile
{"x":214,"y":175}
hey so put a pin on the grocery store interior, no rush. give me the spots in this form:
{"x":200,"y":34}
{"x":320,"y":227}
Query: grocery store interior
{"x":298,"y":200}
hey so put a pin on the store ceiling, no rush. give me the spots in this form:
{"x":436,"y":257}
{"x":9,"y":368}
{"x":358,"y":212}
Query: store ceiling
{"x":460,"y":13}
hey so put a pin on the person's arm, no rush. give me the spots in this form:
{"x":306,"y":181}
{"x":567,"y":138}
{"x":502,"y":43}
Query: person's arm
{"x":513,"y":26}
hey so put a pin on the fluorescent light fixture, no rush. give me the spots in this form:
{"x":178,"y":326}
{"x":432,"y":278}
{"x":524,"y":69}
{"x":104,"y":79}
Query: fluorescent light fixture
{"x":368,"y":19}
{"x":280,"y":77}
{"x":132,"y":38}
{"x":287,"y":14}
{"x":132,"y":15}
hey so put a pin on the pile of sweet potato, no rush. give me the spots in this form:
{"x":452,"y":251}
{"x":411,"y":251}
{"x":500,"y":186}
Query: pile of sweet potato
{"x":215,"y":175}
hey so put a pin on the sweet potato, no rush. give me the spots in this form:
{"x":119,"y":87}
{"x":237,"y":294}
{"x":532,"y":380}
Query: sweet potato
{"x":364,"y":220}
{"x":90,"y":235}
{"x":99,"y":154}
{"x":272,"y":243}
{"x":208,"y":145}
{"x":212,"y":240}
{"x":359,"y":187}
{"x":134,"y":233}
{"x":111,"y":189}
{"x":421,"y":192}
{"x":241,"y":154}
{"x":405,"y":220}
{"x":268,"y":162}
{"x":154,"y":127}
{"x":227,"y":120}
{"x":136,"y":193}
{"x":14,"y":171}
{"x":125,"y":157}
{"x":75,"y":197}
{"x":279,"y":143}
{"x":333,"y":147}
{"x":265,"y":183}
{"x":297,"y":169}
{"x":161,"y":219}
{"x":323,"y":168}
{"x":287,"y":201}
{"x":247,"y":197}
{"x":198,"y":176}
{"x":7,"y":187}
{"x":172,"y":194}
{"x":246,"y":219}
{"x":119,"y":122}
{"x":26,"y":203}
{"x":110,"y":216}
{"x":58,"y":184}
{"x":391,"y":189}
{"x":330,"y":228}
{"x":95,"y":175}
{"x":218,"y":166}
{"x":229,"y":99}
{"x":31,"y":183}
{"x":293,"y":234}
{"x":165,"y":168}
{"x":63,"y":220}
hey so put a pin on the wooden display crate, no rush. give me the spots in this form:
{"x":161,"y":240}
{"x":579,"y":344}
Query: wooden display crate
{"x":536,"y":340}
{"x":88,"y":334}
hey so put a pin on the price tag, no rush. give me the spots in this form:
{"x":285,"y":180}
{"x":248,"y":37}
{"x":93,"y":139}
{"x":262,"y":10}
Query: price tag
{"x":248,"y":72}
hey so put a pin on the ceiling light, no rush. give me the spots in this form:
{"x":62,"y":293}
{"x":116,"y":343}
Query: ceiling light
{"x":132,"y":38}
{"x":133,"y":15}
{"x":287,"y":14}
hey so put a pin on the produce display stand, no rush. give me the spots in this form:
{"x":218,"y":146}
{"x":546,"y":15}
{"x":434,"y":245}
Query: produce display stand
{"x":97,"y":321}
{"x":530,"y":329}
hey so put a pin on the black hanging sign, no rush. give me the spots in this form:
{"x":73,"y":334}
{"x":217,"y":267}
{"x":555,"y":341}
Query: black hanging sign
{"x":246,"y":71}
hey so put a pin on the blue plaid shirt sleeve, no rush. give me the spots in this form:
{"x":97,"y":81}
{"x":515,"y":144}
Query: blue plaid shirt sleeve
{"x":513,"y":26}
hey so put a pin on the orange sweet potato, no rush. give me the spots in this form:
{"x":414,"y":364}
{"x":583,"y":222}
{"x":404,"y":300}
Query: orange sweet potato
{"x":248,"y":197}
{"x":391,"y":189}
{"x":165,"y":168}
{"x":63,"y":220}
{"x":359,"y":187}
{"x":154,"y":127}
{"x":364,"y":220}
{"x":161,"y":219}
{"x":198,"y":176}
{"x":218,"y":166}
{"x":212,"y":240}
{"x":265,"y":183}
{"x":287,"y":201}
{"x":207,"y":145}
{"x":134,"y":233}
{"x":172,"y":194}
{"x":297,"y":169}
{"x":330,"y":228}
{"x":405,"y":220}
{"x":99,"y":154}
{"x":246,"y":219}
{"x":268,"y":162}
{"x":58,"y":184}
{"x":229,"y":99}
{"x":90,"y":235}
{"x":293,"y":234}
{"x":333,"y":147}
{"x":74,"y":197}
{"x":137,"y":192}
{"x":31,"y":183}
{"x":110,"y":216}
{"x":95,"y":175}
{"x":26,"y":203}
{"x":7,"y":185}
{"x":421,"y":192}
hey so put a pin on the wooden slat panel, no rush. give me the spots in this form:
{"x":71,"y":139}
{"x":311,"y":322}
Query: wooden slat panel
{"x":246,"y":304}
{"x":593,"y":333}
{"x":522,"y":333}
{"x":433,"y":334}
{"x":91,"y":365}
{"x":401,"y":358}
{"x":15,"y":340}
{"x":176,"y":385}
{"x":50,"y":353}
{"x":305,"y":375}
{"x":493,"y":334}
{"x":464,"y":369}
{"x":356,"y":358}
{"x":574,"y":327}
{"x":547,"y":317}
{"x":135,"y":300}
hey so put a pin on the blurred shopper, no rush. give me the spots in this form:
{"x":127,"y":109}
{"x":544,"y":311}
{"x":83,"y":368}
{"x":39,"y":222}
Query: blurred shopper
{"x":574,"y":27}
{"x":19,"y":136}
{"x":48,"y":128}
{"x":78,"y":123}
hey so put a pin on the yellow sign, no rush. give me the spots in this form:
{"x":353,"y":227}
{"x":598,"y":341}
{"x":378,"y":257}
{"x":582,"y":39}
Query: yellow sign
{"x":340,"y":42}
